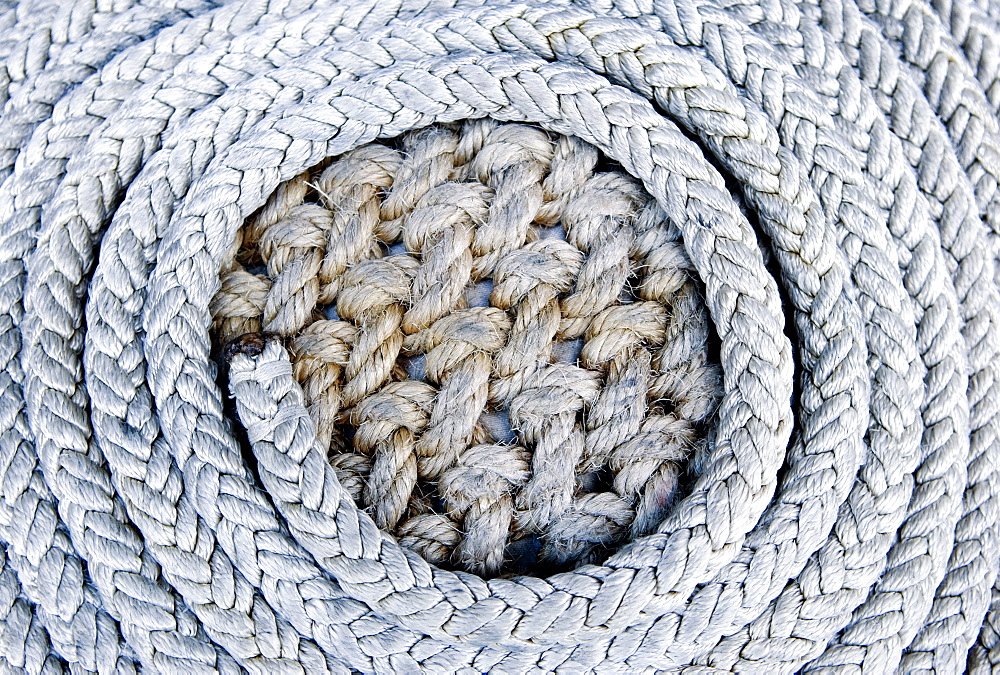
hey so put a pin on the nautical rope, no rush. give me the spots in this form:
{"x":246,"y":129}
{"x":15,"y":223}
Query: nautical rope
{"x":330,"y":330}
{"x":402,"y":303}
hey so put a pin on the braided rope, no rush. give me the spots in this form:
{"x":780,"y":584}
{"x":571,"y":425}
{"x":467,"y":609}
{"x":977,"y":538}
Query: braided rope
{"x":403,"y":300}
{"x":839,"y":155}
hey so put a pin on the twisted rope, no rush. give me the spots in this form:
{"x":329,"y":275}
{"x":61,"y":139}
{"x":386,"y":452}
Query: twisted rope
{"x":827,"y":170}
{"x":402,"y":303}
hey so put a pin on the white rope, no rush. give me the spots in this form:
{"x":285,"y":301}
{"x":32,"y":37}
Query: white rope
{"x":847,"y":512}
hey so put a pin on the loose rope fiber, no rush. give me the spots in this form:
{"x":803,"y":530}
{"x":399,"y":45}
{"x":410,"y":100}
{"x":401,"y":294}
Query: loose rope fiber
{"x":676,"y":319}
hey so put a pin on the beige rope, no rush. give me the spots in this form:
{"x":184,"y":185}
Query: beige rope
{"x":603,"y":443}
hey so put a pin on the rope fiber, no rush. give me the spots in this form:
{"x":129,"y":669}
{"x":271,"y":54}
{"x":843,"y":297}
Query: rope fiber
{"x":426,"y":311}
{"x":471,"y":335}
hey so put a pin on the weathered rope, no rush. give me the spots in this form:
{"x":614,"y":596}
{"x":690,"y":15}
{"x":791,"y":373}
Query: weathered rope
{"x":561,"y":294}
{"x":827,"y":171}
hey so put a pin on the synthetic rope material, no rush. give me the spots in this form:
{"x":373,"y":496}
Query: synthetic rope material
{"x":806,"y":194}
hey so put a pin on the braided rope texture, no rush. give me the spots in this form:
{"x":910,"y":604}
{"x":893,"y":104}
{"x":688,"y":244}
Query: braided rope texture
{"x":492,"y":272}
{"x":483,"y":328}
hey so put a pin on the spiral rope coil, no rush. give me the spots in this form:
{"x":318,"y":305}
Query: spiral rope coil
{"x":831,"y":169}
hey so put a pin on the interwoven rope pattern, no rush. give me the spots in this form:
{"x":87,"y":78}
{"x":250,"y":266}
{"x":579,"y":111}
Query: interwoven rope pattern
{"x":467,"y":209}
{"x":830,"y":167}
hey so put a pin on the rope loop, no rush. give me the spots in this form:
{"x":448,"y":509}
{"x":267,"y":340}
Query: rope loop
{"x":581,"y":335}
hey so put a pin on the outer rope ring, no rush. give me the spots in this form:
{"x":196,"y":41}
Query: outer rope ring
{"x":983,"y":419}
{"x":315,"y":156}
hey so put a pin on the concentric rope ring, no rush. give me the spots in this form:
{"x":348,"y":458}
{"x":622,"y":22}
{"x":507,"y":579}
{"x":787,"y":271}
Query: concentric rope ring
{"x":188,"y":492}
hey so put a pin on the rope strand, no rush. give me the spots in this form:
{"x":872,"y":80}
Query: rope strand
{"x":582,"y":335}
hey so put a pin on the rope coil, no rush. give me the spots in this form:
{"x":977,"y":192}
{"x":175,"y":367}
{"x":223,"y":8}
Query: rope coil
{"x":829,"y":167}
{"x":422,"y":309}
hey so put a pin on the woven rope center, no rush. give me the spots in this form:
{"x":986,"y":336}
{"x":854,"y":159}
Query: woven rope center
{"x":500,"y":340}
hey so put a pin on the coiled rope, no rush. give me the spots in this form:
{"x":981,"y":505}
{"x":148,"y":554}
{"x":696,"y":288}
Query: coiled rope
{"x":568,"y":298}
{"x":832,"y":169}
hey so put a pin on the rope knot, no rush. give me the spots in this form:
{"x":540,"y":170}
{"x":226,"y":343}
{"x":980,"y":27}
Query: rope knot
{"x":387,"y":424}
{"x":478,"y":492}
{"x":545,"y":268}
{"x":320,"y":353}
{"x":590,"y":523}
{"x":559,"y":390}
{"x":617,"y":331}
{"x":398,"y":405}
{"x":293,"y":250}
{"x":440,"y":229}
{"x":463,"y":338}
{"x":448,"y":207}
{"x":546,"y":417}
{"x":371,"y":287}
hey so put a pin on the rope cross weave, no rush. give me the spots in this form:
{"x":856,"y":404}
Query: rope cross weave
{"x":813,"y":182}
{"x":426,"y":308}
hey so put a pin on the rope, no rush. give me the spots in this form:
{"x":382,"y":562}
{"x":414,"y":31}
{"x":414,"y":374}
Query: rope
{"x":401,"y":215}
{"x":424,"y":305}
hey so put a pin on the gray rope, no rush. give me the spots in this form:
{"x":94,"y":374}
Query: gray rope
{"x":854,"y":525}
{"x":909,"y":218}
